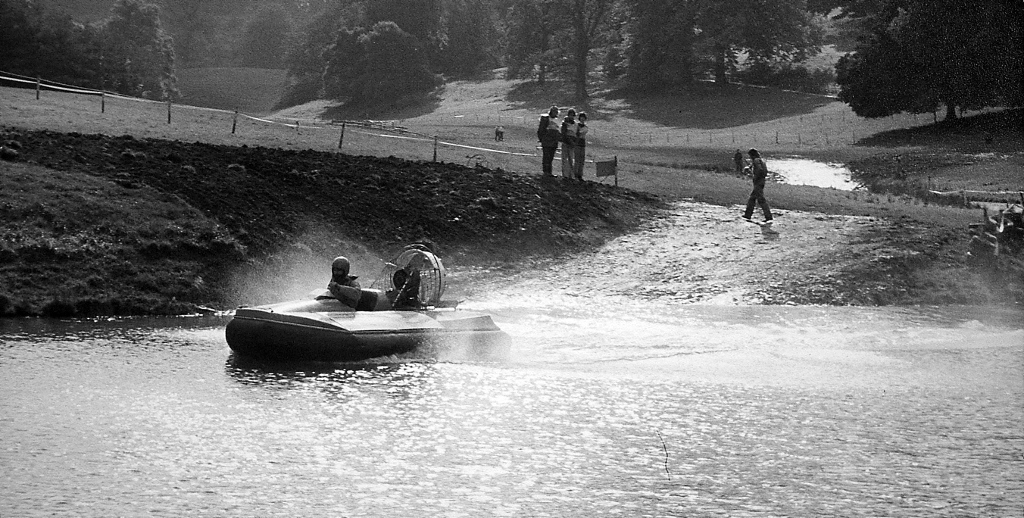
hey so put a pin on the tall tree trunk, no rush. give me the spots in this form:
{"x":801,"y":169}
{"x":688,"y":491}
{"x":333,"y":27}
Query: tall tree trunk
{"x":542,"y":67}
{"x":720,"y":78}
{"x":581,"y":51}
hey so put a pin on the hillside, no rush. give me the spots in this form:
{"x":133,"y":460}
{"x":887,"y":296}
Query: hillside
{"x":249,"y":90}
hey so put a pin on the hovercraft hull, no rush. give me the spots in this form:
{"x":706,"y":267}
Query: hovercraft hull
{"x":323,"y":330}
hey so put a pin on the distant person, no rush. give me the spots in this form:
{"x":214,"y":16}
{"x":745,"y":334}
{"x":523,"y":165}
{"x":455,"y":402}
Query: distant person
{"x":581,"y":145}
{"x":343,"y":286}
{"x":737,"y":161}
{"x":548,"y":135}
{"x":568,"y":131}
{"x":759,"y":171}
{"x":499,"y":133}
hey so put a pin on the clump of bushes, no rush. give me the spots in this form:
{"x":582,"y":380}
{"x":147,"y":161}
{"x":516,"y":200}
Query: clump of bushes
{"x":789,"y":77}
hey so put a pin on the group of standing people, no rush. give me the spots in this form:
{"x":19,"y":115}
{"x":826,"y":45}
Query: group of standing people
{"x":571,"y":133}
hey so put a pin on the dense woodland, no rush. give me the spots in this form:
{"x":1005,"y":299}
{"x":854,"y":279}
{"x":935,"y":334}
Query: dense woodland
{"x":903,"y":55}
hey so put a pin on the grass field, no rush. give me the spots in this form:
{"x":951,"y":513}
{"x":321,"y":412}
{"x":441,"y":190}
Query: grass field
{"x":248,"y":90}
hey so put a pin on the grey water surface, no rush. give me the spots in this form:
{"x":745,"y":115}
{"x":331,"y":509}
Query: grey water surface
{"x":803,"y":171}
{"x":598,"y":411}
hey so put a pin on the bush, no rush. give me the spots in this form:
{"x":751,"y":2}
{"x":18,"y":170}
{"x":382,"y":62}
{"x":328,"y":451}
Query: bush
{"x":58,"y":308}
{"x":788,"y":77}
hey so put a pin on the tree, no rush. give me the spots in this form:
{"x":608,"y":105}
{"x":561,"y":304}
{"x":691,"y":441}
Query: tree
{"x":307,"y":59}
{"x":660,"y":39}
{"x":466,"y":39}
{"x":265,"y":39}
{"x":555,"y":35}
{"x":672,"y":41}
{"x":192,"y":22}
{"x":935,"y":53}
{"x":533,"y":26}
{"x":420,"y":18}
{"x":875,"y":78}
{"x":19,"y":21}
{"x":375,"y":66}
{"x":138,"y":56}
{"x":587,"y":17}
{"x":768,"y":31}
{"x":345,"y":60}
{"x":395,"y":65}
{"x":49,"y":45}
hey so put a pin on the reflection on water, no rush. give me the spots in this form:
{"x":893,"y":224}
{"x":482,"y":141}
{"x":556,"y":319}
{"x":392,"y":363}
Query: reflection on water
{"x":801,"y":171}
{"x":602,"y":409}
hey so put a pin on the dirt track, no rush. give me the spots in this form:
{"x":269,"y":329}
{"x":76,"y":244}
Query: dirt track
{"x":699,"y":253}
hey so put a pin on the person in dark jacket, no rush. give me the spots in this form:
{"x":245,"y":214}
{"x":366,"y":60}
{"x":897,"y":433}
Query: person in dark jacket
{"x":407,"y":284}
{"x":760,"y":173}
{"x":737,"y":161}
{"x":343,"y":286}
{"x":548,"y":135}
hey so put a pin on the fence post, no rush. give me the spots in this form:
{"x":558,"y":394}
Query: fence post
{"x":103,"y":102}
{"x":341,"y":139}
{"x":435,"y":148}
{"x":234,"y":123}
{"x":168,"y":111}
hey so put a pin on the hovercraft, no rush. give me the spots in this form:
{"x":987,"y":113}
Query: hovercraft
{"x":322,"y":328}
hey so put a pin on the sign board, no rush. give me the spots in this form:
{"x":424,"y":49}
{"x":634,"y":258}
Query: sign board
{"x":608,"y":167}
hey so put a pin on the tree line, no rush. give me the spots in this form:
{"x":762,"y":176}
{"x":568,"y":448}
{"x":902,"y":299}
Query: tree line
{"x":127,"y":52}
{"x":908,"y":56}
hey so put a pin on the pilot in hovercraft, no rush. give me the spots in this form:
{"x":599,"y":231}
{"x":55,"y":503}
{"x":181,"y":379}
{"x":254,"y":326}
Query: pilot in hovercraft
{"x":343,"y":286}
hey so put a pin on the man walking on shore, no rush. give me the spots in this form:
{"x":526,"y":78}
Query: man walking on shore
{"x":760,"y":173}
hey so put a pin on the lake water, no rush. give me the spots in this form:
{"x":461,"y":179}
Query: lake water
{"x":625,"y":410}
{"x":802,"y":171}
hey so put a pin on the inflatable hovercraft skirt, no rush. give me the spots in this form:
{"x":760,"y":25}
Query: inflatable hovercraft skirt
{"x":324,"y":330}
